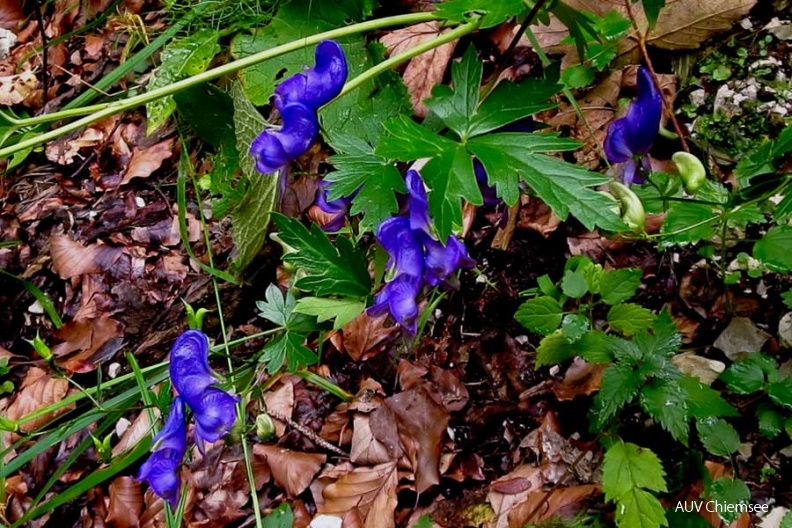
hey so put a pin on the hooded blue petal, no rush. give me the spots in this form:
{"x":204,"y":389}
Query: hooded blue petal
{"x":406,"y":252}
{"x":442,"y":261}
{"x":634,"y":134}
{"x":273,"y":149}
{"x":399,"y":298}
{"x":161,"y":471}
{"x":215,"y":414}
{"x":318,"y":85}
{"x":418,"y":203}
{"x":189,"y":365}
{"x":173,"y":434}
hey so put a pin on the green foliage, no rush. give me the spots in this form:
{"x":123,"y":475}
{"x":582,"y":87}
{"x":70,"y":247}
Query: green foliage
{"x":775,"y":248}
{"x":652,"y":9}
{"x":492,"y":13}
{"x":727,"y":490}
{"x":251,"y":217}
{"x":289,"y":345}
{"x":339,"y":269}
{"x":507,"y":157}
{"x":718,"y":436}
{"x":629,"y":476}
{"x":280,"y":517}
{"x":181,"y":58}
{"x":629,"y":319}
{"x":343,"y":310}
{"x":7,"y":385}
{"x":541,"y":315}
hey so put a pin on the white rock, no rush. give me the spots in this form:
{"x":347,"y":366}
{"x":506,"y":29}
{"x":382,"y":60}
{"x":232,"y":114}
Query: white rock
{"x":7,"y":41}
{"x":785,"y":330}
{"x":36,"y":308}
{"x":741,"y":337}
{"x":698,"y":97}
{"x":773,"y":517}
{"x":326,"y":521}
{"x":121,"y":426}
{"x":707,"y":370}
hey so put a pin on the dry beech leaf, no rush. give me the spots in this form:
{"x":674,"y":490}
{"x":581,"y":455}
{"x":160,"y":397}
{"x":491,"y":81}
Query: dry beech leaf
{"x":363,"y":333}
{"x":372,"y":491}
{"x":38,"y":390}
{"x":11,"y":14}
{"x":426,"y":70}
{"x":512,"y":489}
{"x":366,"y":449}
{"x":15,"y":89}
{"x":126,"y":503}
{"x":292,"y":471}
{"x":580,"y":379}
{"x":135,"y":432}
{"x":145,"y":162}
{"x":72,"y":259}
{"x":154,"y":514}
{"x":91,"y":339}
{"x":281,"y":401}
{"x":546,"y":504}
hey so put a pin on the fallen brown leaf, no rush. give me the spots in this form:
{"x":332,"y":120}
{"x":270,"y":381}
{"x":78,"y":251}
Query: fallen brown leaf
{"x":580,"y":379}
{"x":369,"y":450}
{"x":426,"y":70}
{"x":372,"y":491}
{"x":72,"y":259}
{"x":91,"y":339}
{"x":16,"y":89}
{"x":362,"y":334}
{"x":542,"y":505}
{"x":140,"y":427}
{"x":145,"y":162}
{"x":293,"y":471}
{"x":281,"y":401}
{"x":11,"y":14}
{"x":126,"y":503}
{"x":38,"y":390}
{"x":514,"y":489}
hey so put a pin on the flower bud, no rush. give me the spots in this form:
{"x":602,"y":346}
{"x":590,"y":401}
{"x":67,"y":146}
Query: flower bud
{"x":632,"y":209}
{"x":691,"y":170}
{"x":265,"y":427}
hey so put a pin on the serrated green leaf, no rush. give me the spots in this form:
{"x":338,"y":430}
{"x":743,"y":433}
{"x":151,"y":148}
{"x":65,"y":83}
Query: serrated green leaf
{"x":771,"y":422}
{"x":376,"y":179}
{"x":450,"y":176}
{"x":278,"y":306}
{"x":338,"y":269}
{"x":688,"y":222}
{"x":627,"y":467}
{"x":640,"y":509}
{"x":663,"y":341}
{"x":510,"y":102}
{"x":718,"y":436}
{"x":574,"y":327}
{"x":407,"y":140}
{"x":578,"y":76}
{"x":666,"y":402}
{"x":619,"y":386}
{"x":181,"y":58}
{"x":280,"y":517}
{"x":747,"y":214}
{"x":457,"y":107}
{"x":775,"y":247}
{"x":325,"y":308}
{"x":781,"y":392}
{"x":493,"y":12}
{"x":683,"y":519}
{"x":596,"y":347}
{"x":727,"y":490}
{"x":629,"y":318}
{"x":541,"y":315}
{"x":704,"y":401}
{"x":566,"y":188}
{"x":574,"y":284}
{"x":652,"y":9}
{"x":618,"y":285}
{"x":289,"y":347}
{"x":553,"y":349}
{"x":744,"y":377}
{"x":600,"y":54}
{"x":251,"y":219}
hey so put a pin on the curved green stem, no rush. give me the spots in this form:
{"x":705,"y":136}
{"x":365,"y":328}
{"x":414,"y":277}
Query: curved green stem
{"x":209,"y":75}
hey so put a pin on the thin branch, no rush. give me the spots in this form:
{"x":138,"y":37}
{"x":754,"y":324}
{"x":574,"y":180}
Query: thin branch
{"x":44,"y":52}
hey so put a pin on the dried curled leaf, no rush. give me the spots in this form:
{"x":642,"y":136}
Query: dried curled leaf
{"x":372,"y":491}
{"x":126,"y":503}
{"x":38,"y":390}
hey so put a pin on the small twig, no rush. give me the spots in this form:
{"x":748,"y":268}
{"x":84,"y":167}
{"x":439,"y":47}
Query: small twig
{"x":645,"y":54}
{"x":44,"y":51}
{"x":315,"y":438}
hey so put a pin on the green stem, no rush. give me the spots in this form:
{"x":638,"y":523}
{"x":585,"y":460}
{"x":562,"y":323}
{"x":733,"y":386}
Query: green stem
{"x":325,"y":384}
{"x":214,"y":73}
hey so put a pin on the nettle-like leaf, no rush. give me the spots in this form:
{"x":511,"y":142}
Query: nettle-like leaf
{"x":704,"y":401}
{"x":629,"y":474}
{"x":493,"y":12}
{"x":618,"y":285}
{"x":771,"y":421}
{"x":629,"y":318}
{"x":775,"y":248}
{"x":559,"y":347}
{"x":541,"y":315}
{"x":727,"y":490}
{"x":338,"y":269}
{"x":620,"y":385}
{"x":666,"y":402}
{"x":749,"y":375}
{"x":688,"y":222}
{"x":718,"y":436}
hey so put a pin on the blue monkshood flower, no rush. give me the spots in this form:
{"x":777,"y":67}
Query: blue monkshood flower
{"x":214,"y":410}
{"x":337,"y":208}
{"x":161,"y":470}
{"x":631,"y":137}
{"x":297,"y":99}
{"x":415,"y":256}
{"x":318,"y":85}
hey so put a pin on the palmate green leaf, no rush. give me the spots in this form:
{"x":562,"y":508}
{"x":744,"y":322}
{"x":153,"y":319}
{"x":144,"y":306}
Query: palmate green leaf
{"x":493,"y":12}
{"x":627,"y":467}
{"x":343,"y":310}
{"x":666,"y":402}
{"x":181,"y":58}
{"x":652,"y":9}
{"x":277,"y":308}
{"x":251,"y":218}
{"x":289,"y":347}
{"x":727,"y":490}
{"x":566,"y":188}
{"x":338,"y":269}
{"x":704,"y":401}
{"x":618,"y":285}
{"x":775,"y":248}
{"x":357,"y":167}
{"x":541,"y":315}
{"x":407,"y":140}
{"x":620,"y":385}
{"x":629,"y":318}
{"x":718,"y":436}
{"x":457,"y":107}
{"x":510,"y":102}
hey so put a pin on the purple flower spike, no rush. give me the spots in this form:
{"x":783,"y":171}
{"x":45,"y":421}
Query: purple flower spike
{"x":398,"y":298}
{"x":419,"y":204}
{"x":274,"y":149}
{"x":632,"y":136}
{"x":189,"y":365}
{"x":215,"y":414}
{"x":161,"y":470}
{"x":395,"y":235}
{"x":318,"y":85}
{"x":442,"y":261}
